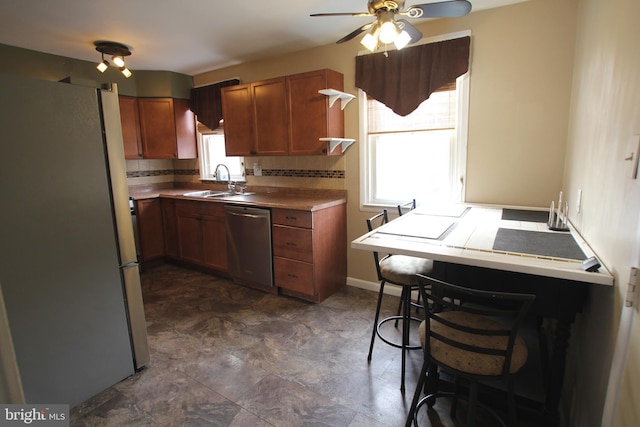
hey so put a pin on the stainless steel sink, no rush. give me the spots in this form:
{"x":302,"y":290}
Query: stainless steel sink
{"x":205,"y":193}
{"x":212,"y":193}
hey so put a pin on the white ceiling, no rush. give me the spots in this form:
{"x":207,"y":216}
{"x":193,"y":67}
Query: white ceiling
{"x":185,"y":36}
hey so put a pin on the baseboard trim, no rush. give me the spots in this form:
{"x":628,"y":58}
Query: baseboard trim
{"x":373,"y":286}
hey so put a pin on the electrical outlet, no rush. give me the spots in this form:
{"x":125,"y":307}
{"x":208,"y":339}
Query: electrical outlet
{"x":579,"y":202}
{"x":257,"y":169}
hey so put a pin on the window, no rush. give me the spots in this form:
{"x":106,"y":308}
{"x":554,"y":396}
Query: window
{"x":213,"y":153}
{"x":421,"y":155}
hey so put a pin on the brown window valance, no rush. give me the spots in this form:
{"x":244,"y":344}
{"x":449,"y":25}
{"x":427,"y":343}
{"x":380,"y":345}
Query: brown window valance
{"x":206,"y":102}
{"x":403,"y":79}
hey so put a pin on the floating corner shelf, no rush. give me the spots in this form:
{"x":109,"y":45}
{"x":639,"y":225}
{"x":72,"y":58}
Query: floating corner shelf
{"x":334,"y":95}
{"x":344,"y":143}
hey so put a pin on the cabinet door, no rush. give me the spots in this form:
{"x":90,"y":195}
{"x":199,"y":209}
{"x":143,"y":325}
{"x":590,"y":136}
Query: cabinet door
{"x":309,"y":113}
{"x":151,"y":230}
{"x":271,"y":117}
{"x":185,"y":129}
{"x":238,"y":115}
{"x":190,"y":241}
{"x":157,"y":128}
{"x":214,"y":232}
{"x":170,"y":228}
{"x":130,"y":121}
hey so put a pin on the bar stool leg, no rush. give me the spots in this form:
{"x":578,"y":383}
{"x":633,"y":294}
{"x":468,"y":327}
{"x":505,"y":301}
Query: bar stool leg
{"x":406,"y":321}
{"x":375,"y":322}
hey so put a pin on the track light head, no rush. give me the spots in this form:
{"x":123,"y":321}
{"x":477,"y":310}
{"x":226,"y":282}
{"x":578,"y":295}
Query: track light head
{"x":117,"y":51}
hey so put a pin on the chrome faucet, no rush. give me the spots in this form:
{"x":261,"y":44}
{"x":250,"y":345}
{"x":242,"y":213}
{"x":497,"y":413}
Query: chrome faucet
{"x":230,"y":183}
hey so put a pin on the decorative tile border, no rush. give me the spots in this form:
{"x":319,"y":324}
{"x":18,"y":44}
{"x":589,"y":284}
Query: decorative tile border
{"x":291,"y":173}
{"x":300,"y":173}
{"x":162,"y":172}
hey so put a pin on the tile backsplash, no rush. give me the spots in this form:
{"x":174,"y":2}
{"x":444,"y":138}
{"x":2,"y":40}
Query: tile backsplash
{"x":301,"y":172}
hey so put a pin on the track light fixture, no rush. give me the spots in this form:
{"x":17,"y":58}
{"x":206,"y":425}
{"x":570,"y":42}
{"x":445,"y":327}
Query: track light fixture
{"x":117,"y":51}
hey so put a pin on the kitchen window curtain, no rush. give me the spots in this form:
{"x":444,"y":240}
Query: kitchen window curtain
{"x":206,"y":103}
{"x":403,"y":79}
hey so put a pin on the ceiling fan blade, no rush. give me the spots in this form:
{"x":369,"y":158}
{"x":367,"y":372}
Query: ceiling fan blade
{"x":342,"y":14}
{"x":355,"y":32}
{"x":413,"y":32}
{"x":443,"y":9}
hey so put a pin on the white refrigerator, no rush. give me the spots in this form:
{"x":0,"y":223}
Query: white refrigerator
{"x":68,"y":265}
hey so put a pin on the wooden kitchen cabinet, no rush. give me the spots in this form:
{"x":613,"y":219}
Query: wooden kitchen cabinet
{"x":310,"y":115}
{"x":150,"y":229}
{"x":201,"y":231}
{"x":282,"y":116}
{"x":170,"y":222}
{"x":167,"y":128}
{"x":255,"y":118}
{"x":214,"y":232}
{"x":130,"y":121}
{"x":309,"y":251}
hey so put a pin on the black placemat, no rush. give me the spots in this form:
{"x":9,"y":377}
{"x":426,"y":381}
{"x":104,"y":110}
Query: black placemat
{"x":558,"y":245}
{"x":523,"y":215}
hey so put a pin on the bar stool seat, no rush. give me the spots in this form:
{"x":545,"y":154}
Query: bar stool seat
{"x":401,"y":269}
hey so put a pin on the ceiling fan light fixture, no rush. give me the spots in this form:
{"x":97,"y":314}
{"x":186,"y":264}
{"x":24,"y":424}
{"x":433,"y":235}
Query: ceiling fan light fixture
{"x":370,"y":40}
{"x":388,"y":31}
{"x":402,"y":40}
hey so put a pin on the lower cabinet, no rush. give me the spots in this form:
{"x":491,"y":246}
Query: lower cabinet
{"x":170,"y":228}
{"x":201,"y":234}
{"x":309,"y":247}
{"x":309,"y":251}
{"x":150,"y":229}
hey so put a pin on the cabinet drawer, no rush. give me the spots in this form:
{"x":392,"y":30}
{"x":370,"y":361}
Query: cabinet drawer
{"x":293,"y":218}
{"x":291,"y":242}
{"x":293,"y":275}
{"x":195,"y":208}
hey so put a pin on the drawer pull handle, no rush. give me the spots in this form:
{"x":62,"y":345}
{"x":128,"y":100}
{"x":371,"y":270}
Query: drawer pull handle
{"x":293,"y":218}
{"x":293,"y":276}
{"x":291,"y":244}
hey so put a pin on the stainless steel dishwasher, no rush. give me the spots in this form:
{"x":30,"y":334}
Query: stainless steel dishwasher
{"x":249,"y":245}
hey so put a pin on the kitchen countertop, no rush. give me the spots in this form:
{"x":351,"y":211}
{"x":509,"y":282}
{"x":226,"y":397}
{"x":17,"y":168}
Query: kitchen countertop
{"x":308,"y":200}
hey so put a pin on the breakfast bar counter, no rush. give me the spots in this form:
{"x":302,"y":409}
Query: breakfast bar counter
{"x":507,"y":250}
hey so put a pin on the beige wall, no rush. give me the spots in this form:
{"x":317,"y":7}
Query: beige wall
{"x":519,"y":99}
{"x":604,"y":122}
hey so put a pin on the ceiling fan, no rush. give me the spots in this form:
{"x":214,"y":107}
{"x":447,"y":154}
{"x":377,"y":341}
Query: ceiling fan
{"x":385,"y":29}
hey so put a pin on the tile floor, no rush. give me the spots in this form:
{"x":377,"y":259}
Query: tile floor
{"x":226,"y":355}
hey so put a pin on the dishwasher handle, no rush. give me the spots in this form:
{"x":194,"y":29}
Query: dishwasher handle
{"x":247,"y":215}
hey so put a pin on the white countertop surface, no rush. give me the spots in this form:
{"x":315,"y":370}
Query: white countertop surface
{"x":470,"y":241}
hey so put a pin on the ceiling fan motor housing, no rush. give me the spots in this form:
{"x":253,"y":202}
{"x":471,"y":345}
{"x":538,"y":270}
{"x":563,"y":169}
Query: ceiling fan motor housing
{"x":376,"y":5}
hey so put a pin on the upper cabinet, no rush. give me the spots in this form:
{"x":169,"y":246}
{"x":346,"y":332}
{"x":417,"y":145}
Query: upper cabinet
{"x":258,"y":123}
{"x":311,"y":117}
{"x":158,"y":128}
{"x":130,"y":127}
{"x":282,"y":116}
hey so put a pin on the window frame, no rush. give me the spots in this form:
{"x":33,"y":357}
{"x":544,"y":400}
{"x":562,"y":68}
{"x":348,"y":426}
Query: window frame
{"x":207,"y":170}
{"x":458,"y":150}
